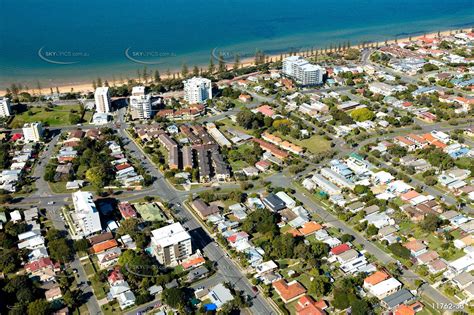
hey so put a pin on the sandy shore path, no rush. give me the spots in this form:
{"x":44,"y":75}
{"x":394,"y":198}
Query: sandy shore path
{"x":86,"y":87}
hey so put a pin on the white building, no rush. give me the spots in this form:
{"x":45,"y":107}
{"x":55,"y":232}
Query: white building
{"x":302,"y":71}
{"x":171,"y":244}
{"x":102,"y":100}
{"x":86,"y":217}
{"x":140,"y":103}
{"x":32,"y":132}
{"x":197,"y":90}
{"x":385,"y":288}
{"x":5,"y":110}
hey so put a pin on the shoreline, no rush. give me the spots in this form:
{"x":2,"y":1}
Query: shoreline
{"x":86,"y":87}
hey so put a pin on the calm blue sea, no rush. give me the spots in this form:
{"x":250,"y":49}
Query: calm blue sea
{"x":68,"y":41}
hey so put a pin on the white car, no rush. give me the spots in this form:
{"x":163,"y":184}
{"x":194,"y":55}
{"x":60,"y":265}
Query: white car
{"x":51,"y":203}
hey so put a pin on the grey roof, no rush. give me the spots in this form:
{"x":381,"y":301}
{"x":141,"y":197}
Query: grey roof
{"x":197,"y":273}
{"x":155,"y":289}
{"x":371,"y":209}
{"x":463,"y":278}
{"x":172,"y":284}
{"x":397,"y":298}
{"x":274,"y":202}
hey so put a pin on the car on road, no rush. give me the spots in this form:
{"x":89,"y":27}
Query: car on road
{"x":255,"y":289}
{"x":51,"y":203}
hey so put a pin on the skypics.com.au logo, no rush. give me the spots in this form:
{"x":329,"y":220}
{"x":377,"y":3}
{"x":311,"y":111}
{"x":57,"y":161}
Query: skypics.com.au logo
{"x":61,"y":57}
{"x":147,"y":57}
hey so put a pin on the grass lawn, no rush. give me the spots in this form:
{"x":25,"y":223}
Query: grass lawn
{"x":58,"y":116}
{"x":88,"y":116}
{"x":285,"y":229}
{"x":111,"y":309}
{"x":315,"y":144}
{"x":434,"y":242}
{"x":100,"y":288}
{"x":82,"y":310}
{"x":89,"y":269}
{"x":457,"y":234}
{"x":150,"y":212}
{"x":60,"y":188}
{"x":238,"y":165}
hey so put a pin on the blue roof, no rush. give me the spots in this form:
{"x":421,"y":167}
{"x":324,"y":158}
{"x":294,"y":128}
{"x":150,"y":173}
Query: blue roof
{"x":210,"y":307}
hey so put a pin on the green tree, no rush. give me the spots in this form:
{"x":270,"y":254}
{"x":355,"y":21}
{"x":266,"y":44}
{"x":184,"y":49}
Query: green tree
{"x":174,"y":297}
{"x":38,"y":307}
{"x":60,"y":250}
{"x":362,"y":114}
{"x":195,"y":71}
{"x":97,"y":176}
{"x":128,"y":226}
{"x":81,"y":245}
{"x":372,"y":230}
{"x":360,"y":307}
{"x":184,"y":71}
{"x":320,"y":286}
{"x":211,"y":68}
{"x":399,"y":250}
{"x":156,"y":76}
{"x":430,"y":223}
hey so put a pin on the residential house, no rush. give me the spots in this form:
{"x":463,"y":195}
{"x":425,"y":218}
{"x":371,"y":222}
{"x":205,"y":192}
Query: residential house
{"x":289,"y":291}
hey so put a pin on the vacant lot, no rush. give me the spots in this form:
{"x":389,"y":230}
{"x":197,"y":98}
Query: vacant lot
{"x":315,"y":144}
{"x":54,"y":116}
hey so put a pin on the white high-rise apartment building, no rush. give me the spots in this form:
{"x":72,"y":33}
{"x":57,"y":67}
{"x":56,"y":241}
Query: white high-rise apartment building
{"x":197,"y":90}
{"x":5,"y":110}
{"x":32,"y":132}
{"x":86,"y":217}
{"x":102,"y":100}
{"x":302,"y":71}
{"x":171,"y":244}
{"x":140,"y":103}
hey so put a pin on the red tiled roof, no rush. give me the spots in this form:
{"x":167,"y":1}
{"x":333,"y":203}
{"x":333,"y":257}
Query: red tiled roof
{"x":309,"y":228}
{"x":404,"y":310}
{"x":126,"y":210}
{"x":233,"y":238}
{"x":115,"y":276}
{"x":193,"y":262}
{"x":307,"y":306}
{"x":340,"y":249}
{"x":98,"y":248}
{"x":376,"y":277}
{"x":265,"y":110}
{"x":288,"y":291}
{"x":414,"y":245}
{"x":122,"y":166}
{"x":17,"y":136}
{"x":409,"y":195}
{"x":39,"y":264}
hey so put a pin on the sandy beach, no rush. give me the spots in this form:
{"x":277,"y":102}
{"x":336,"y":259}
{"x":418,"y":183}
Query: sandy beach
{"x":87,"y":86}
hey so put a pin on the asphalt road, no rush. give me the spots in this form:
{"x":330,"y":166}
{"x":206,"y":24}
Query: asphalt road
{"x":200,"y":238}
{"x":381,"y":256}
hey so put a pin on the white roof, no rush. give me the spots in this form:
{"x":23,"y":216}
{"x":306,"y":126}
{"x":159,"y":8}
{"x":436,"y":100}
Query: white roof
{"x":15,"y":215}
{"x":285,"y":198}
{"x":266,"y":266}
{"x":169,"y":235}
{"x":463,"y":262}
{"x":102,"y":90}
{"x":220,"y":295}
{"x":385,"y":286}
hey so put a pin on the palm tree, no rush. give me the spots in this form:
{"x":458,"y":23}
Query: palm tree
{"x":184,"y":70}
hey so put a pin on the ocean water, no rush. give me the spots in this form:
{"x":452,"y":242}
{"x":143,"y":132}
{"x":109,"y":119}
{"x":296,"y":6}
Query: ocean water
{"x":59,"y":42}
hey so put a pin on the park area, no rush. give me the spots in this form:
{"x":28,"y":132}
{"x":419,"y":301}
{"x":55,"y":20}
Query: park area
{"x":59,"y":115}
